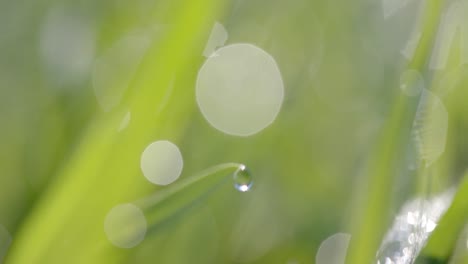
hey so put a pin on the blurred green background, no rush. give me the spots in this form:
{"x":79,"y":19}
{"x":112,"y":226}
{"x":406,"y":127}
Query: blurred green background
{"x":339,"y":157}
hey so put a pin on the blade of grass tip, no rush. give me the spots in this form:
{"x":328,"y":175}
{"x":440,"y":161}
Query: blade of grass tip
{"x":163,"y":206}
{"x":72,"y":207}
{"x":369,"y":219}
{"x":206,"y":175}
{"x":442,"y":242}
{"x":166,"y":207}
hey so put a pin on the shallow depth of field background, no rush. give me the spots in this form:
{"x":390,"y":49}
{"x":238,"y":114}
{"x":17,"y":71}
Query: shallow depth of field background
{"x":71,"y":71}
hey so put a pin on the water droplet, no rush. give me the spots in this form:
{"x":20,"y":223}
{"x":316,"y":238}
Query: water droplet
{"x":243,"y":179}
{"x":125,"y":225}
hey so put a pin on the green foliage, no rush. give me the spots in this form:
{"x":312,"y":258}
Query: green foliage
{"x":334,"y":160}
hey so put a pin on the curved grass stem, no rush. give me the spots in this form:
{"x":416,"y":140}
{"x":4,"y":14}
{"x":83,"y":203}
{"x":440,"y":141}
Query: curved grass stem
{"x":176,"y":199}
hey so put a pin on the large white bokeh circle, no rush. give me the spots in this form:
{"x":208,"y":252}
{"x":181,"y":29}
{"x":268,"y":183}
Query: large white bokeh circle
{"x":161,"y":162}
{"x":240,"y":89}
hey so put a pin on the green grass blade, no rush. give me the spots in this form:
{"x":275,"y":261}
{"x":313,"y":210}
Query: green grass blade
{"x":370,"y":216}
{"x":70,"y":214}
{"x":160,"y":207}
{"x":442,"y":242}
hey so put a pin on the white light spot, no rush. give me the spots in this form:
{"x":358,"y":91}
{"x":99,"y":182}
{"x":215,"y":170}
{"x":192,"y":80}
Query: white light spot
{"x":5,"y":241}
{"x":161,"y":162}
{"x":413,"y":217}
{"x":125,"y":225}
{"x":240,"y":91}
{"x":411,"y":229}
{"x":430,"y":226}
{"x":243,"y":188}
{"x":217,"y":39}
{"x":411,"y":82}
{"x":67,"y":45}
{"x":125,"y":121}
{"x":114,"y":70}
{"x":333,"y":250}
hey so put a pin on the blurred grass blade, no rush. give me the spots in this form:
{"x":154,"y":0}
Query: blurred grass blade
{"x":442,"y":242}
{"x":370,"y":221}
{"x":370,"y":217}
{"x":104,"y":168}
{"x":161,"y":207}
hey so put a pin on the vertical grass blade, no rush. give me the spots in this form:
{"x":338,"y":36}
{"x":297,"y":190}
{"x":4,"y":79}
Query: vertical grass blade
{"x":370,"y":217}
